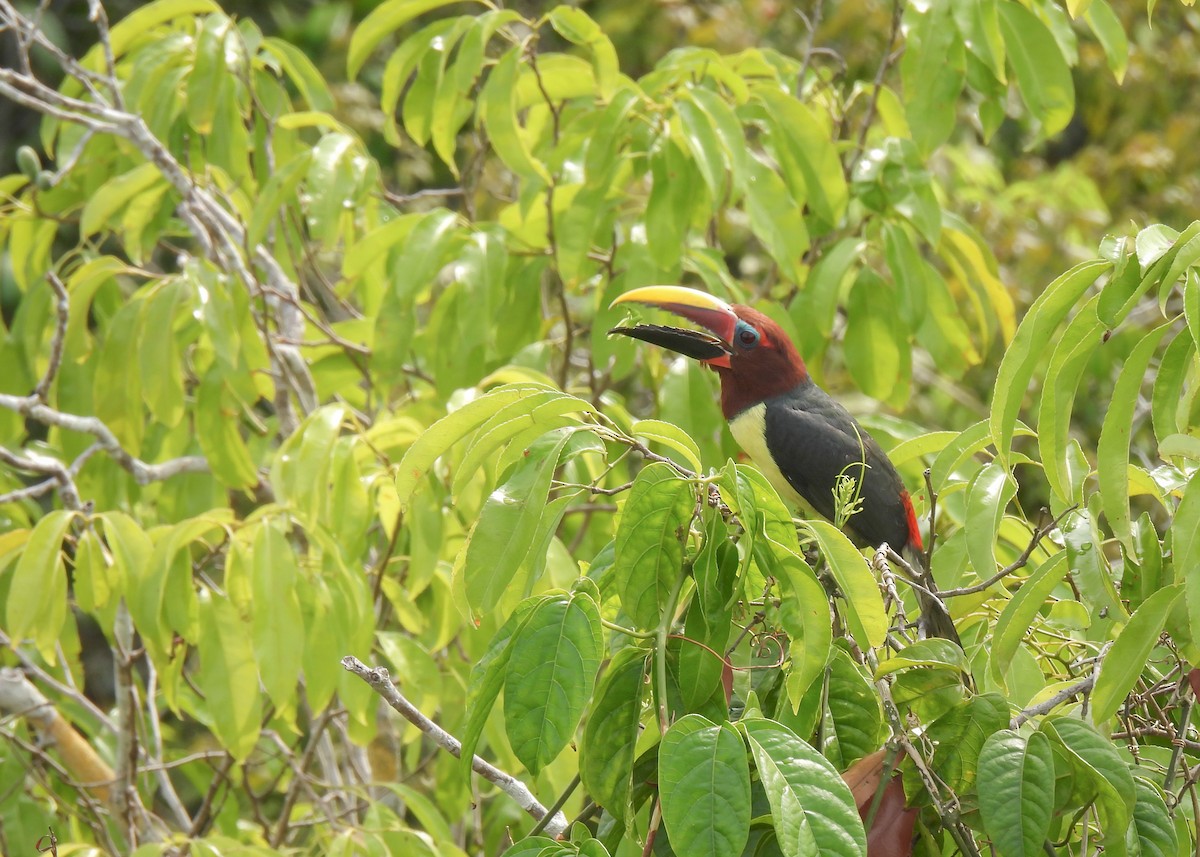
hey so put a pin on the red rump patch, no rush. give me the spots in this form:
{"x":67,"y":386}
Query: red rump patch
{"x":914,"y":530}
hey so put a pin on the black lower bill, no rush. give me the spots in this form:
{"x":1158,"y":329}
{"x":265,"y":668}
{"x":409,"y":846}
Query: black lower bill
{"x":690,"y":343}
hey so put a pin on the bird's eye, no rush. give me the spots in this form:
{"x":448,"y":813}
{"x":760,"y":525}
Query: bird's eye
{"x":747,"y":336}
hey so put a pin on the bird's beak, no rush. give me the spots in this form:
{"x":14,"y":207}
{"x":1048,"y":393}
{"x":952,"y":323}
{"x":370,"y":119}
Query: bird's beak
{"x":696,"y":306}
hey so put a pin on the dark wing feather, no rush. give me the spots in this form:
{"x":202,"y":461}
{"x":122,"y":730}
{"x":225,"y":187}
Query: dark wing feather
{"x":814,"y":439}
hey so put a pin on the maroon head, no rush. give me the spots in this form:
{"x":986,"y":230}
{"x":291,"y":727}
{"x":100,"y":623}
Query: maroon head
{"x":752,"y":355}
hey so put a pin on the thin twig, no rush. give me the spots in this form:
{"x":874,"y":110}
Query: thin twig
{"x":381,"y":682}
{"x":1017,"y":564}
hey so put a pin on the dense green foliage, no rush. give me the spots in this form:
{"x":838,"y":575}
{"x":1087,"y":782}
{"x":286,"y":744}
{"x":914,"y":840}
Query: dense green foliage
{"x":310,"y":360}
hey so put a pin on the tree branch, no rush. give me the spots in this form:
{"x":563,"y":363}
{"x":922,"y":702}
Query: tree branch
{"x":381,"y":683}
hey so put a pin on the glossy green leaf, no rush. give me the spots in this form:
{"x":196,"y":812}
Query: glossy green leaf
{"x":1073,"y":349}
{"x":508,"y":523}
{"x":671,"y":436}
{"x":811,"y":806}
{"x":707,"y":151}
{"x":925,"y":653}
{"x":607,"y":751}
{"x":1042,"y":74}
{"x":383,"y":20}
{"x":1018,"y":803}
{"x":704,"y":783}
{"x":776,"y":219}
{"x":1185,"y":547}
{"x":863,"y":604}
{"x":1092,"y":571}
{"x":487,"y":678}
{"x":550,"y":675}
{"x":1123,"y":664}
{"x":959,"y":736}
{"x":1098,"y":766}
{"x":1028,"y":346}
{"x":987,"y":497}
{"x":1112,"y":452}
{"x":1152,"y":833}
{"x":649,"y":542}
{"x":855,"y":719}
{"x":1019,"y":613}
{"x":803,"y":614}
{"x":513,"y":422}
{"x":451,"y":429}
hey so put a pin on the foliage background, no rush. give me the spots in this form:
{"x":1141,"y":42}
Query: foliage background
{"x":260,"y":300}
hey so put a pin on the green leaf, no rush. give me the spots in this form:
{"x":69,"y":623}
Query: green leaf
{"x":649,"y":542}
{"x":162,"y":382}
{"x":959,"y":736}
{"x":1028,"y":346}
{"x":987,"y":497}
{"x":776,"y":219}
{"x":1123,"y":664}
{"x":37,"y":594}
{"x":863,"y":605}
{"x":704,"y":784}
{"x":218,"y":421}
{"x":932,"y":70}
{"x":1018,"y":803}
{"x":1153,"y":243}
{"x":607,"y":751}
{"x":729,"y":132}
{"x":550,"y":675}
{"x":498,"y":112}
{"x":1073,"y":349}
{"x":671,"y":436}
{"x":278,"y":191}
{"x":449,"y":430}
{"x":803,"y":612}
{"x":855,"y":719}
{"x":512,"y":423}
{"x":1042,"y":74}
{"x":1110,"y":32}
{"x":1112,"y":452}
{"x":383,"y":20}
{"x":116,"y":391}
{"x":925,"y":653}
{"x":1092,"y":571}
{"x":1152,"y":833}
{"x":114,"y":195}
{"x":576,"y":27}
{"x":875,"y":349}
{"x":1020,"y":612}
{"x":487,"y":678}
{"x":1099,"y":770}
{"x":811,"y":806}
{"x":1185,"y":547}
{"x":502,"y":536}
{"x":301,"y":71}
{"x":206,"y":85}
{"x":707,"y":151}
{"x":276,"y":620}
{"x":806,"y":154}
{"x":228,"y":676}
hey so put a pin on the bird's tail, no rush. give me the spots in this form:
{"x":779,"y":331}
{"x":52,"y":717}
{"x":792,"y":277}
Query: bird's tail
{"x":935,"y":618}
